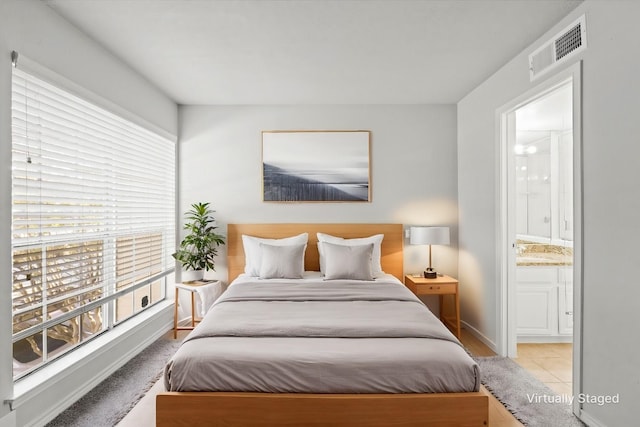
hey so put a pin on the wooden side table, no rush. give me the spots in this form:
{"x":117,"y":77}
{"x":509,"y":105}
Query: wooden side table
{"x":441,"y":286}
{"x":193,"y":288}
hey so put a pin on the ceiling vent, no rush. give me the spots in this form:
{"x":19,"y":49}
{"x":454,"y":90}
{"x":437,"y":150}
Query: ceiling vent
{"x":565,"y":44}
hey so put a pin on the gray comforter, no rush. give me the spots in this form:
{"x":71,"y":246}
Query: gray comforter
{"x":321,"y":337}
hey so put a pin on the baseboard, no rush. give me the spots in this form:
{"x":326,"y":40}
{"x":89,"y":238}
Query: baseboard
{"x":9,"y":420}
{"x":479,"y":335}
{"x":545,"y":339}
{"x":590,"y":421}
{"x":40,"y":405}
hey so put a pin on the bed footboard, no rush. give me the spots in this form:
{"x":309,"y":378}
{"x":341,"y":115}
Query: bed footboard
{"x":353,"y":410}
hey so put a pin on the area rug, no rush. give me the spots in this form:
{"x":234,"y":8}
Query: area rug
{"x":108,"y":403}
{"x":528,"y":399}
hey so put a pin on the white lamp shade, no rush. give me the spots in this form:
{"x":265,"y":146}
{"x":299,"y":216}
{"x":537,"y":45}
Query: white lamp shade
{"x":429,"y":236}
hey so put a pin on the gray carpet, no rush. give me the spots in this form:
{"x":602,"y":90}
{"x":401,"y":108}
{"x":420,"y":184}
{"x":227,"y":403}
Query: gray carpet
{"x":528,"y":399}
{"x":113,"y":398}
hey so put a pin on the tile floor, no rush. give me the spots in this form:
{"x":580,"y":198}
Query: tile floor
{"x":550,"y":363}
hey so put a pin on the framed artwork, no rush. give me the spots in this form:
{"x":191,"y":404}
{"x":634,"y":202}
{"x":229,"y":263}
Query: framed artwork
{"x":316,"y":166}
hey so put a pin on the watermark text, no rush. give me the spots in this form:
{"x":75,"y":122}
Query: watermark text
{"x":568,"y":399}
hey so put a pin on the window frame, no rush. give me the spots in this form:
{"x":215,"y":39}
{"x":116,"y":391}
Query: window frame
{"x":110,"y":293}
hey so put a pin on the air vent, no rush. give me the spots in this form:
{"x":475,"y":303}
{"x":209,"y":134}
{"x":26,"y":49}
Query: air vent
{"x":565,"y":44}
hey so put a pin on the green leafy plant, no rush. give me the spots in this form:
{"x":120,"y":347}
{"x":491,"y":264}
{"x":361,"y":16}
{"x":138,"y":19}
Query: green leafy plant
{"x":200,"y":246}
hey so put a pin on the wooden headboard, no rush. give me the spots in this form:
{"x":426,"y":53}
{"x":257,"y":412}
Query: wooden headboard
{"x":392,"y":244}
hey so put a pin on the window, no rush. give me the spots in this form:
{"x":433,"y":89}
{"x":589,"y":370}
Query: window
{"x":93,"y":214}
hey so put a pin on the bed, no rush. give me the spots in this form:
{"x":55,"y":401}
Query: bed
{"x":366,"y":374}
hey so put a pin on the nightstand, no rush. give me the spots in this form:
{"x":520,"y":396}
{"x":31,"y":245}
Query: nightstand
{"x":441,"y":286}
{"x":193,"y":288}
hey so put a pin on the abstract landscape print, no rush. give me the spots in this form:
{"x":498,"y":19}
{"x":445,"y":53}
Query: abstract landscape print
{"x":316,"y":166}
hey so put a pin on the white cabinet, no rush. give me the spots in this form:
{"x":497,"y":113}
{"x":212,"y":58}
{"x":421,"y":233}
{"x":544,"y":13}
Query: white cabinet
{"x":565,"y":300}
{"x":565,"y":310}
{"x":537,"y":310}
{"x":544,"y":303}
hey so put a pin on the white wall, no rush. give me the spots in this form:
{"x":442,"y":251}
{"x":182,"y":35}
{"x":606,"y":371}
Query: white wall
{"x":413,"y":151}
{"x":36,"y":32}
{"x":611,"y":198}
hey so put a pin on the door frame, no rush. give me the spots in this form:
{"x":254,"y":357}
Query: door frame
{"x":507,"y":330}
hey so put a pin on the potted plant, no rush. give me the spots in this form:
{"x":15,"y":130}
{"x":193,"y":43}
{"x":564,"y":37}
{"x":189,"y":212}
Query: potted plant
{"x":199,"y":247}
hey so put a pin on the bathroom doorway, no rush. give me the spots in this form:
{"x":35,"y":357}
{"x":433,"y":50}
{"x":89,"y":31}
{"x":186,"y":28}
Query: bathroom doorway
{"x":541,"y":217}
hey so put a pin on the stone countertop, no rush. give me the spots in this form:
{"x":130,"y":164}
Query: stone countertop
{"x":543,"y":259}
{"x":536,"y":254}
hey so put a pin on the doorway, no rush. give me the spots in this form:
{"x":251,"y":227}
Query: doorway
{"x":540,"y":230}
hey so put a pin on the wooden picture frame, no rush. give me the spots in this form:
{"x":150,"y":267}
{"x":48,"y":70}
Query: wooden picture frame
{"x":316,"y":166}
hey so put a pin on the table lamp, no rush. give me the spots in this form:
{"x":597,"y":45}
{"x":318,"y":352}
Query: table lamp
{"x":429,"y":236}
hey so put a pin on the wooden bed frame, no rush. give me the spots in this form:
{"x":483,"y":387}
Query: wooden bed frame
{"x":289,"y":409}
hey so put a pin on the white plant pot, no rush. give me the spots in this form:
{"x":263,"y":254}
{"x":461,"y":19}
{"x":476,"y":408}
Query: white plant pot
{"x":191,"y":275}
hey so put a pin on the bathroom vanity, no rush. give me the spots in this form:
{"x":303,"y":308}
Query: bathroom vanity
{"x":544,"y":277}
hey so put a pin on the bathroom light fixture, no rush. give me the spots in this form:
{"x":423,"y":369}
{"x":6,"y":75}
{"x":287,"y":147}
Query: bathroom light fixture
{"x":429,"y":236}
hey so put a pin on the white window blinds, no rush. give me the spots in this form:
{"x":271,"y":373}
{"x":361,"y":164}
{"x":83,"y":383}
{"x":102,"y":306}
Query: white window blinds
{"x":93,"y":207}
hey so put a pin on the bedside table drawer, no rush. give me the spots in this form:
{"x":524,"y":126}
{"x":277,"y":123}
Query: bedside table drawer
{"x":435,"y":288}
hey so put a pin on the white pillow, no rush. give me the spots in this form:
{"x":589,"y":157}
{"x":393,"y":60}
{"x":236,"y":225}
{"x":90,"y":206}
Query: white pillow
{"x":282,"y":262}
{"x":348,"y":262}
{"x":253,"y":253}
{"x":376,"y":267}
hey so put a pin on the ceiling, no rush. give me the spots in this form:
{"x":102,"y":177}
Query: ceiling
{"x":236,"y":52}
